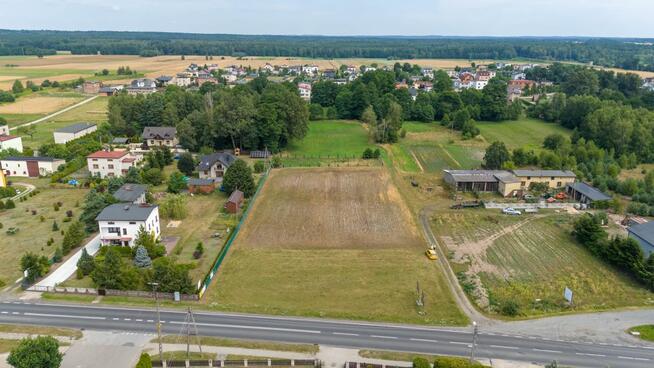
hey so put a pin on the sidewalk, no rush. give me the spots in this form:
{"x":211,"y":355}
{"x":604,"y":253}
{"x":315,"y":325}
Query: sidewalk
{"x":69,"y":267}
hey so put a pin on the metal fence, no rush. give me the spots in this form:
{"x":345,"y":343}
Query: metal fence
{"x":110,"y":292}
{"x":240,"y":363}
{"x":543,"y":205}
{"x":225,"y":249}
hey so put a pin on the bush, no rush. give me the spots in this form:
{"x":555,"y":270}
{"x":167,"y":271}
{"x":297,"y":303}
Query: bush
{"x":9,"y":204}
{"x":455,"y":362}
{"x":58,"y":255}
{"x":419,"y":362}
{"x":55,"y":226}
{"x":367,"y":154}
{"x":276,"y":162}
{"x":259,"y":167}
{"x":510,"y":308}
{"x":42,"y":351}
{"x":144,"y":361}
{"x":199,"y":250}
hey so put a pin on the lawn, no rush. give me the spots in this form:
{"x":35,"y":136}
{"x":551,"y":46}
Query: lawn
{"x":33,"y":233}
{"x":331,"y":138}
{"x":354,"y":252}
{"x":94,"y":112}
{"x":530,"y":260}
{"x":646,"y":332}
{"x":246,"y":344}
{"x":525,"y":132}
{"x":18,"y":119}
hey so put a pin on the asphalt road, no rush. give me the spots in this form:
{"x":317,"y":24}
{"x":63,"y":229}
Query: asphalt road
{"x":334,"y":333}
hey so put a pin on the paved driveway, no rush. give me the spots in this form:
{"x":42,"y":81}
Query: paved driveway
{"x":69,"y":267}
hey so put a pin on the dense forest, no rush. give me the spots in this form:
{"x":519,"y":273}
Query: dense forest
{"x":633,"y":54}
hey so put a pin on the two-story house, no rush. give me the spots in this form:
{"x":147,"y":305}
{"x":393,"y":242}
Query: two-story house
{"x":110,"y":163}
{"x":305,"y":91}
{"x":160,"y":136}
{"x":213,"y":166}
{"x":131,"y":193}
{"x":119,"y":223}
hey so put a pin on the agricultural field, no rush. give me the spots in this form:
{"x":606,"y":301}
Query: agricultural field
{"x":529,"y":260}
{"x":526,"y":132}
{"x":330,"y":242}
{"x":33,"y":233}
{"x":37,"y":104}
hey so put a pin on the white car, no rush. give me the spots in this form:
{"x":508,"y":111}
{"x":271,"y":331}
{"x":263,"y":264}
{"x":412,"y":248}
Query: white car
{"x":511,"y":211}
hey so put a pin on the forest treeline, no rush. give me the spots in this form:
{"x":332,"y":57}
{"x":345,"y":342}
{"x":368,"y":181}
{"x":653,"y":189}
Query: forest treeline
{"x":632,"y":54}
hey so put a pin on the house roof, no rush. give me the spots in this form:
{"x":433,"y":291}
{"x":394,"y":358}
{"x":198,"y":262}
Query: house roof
{"x":126,"y":212}
{"x":130,"y":192}
{"x":108,"y":154}
{"x":200,"y":182}
{"x":589,"y":191}
{"x":159,"y":132}
{"x":35,"y":158}
{"x":506,"y":177}
{"x":164,"y":78}
{"x":143,"y":83}
{"x":226,"y":159}
{"x":644,"y":231}
{"x":120,"y":140}
{"x":545,"y":173}
{"x":108,"y":89}
{"x":236,"y":196}
{"x":4,"y":138}
{"x":75,"y":128}
{"x":475,"y":175}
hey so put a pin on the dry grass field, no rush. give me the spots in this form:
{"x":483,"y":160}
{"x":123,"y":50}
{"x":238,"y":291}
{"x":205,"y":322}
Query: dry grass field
{"x":38,"y":105}
{"x":334,"y":243}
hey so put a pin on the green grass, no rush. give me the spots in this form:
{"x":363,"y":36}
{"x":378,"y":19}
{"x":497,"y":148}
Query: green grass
{"x":33,"y":234}
{"x":408,"y":357}
{"x":41,"y":330}
{"x":437,"y":157}
{"x":403,"y":159}
{"x":18,"y":119}
{"x":533,"y":263}
{"x":344,"y":138}
{"x":181,"y":355}
{"x":419,"y":127}
{"x":525,"y":132}
{"x":247,"y":344}
{"x":39,"y":72}
{"x":646,"y":332}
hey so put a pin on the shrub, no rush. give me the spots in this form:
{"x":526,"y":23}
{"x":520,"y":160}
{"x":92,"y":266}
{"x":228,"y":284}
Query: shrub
{"x":144,"y":361}
{"x":276,"y":162}
{"x":455,"y":362}
{"x":56,"y":207}
{"x":69,"y":213}
{"x":42,"y":351}
{"x":58,"y":255}
{"x":419,"y":362}
{"x":367,"y":154}
{"x":55,"y":226}
{"x":199,"y":250}
{"x":510,"y":308}
{"x":258,"y":167}
{"x":173,"y":207}
{"x":9,"y":204}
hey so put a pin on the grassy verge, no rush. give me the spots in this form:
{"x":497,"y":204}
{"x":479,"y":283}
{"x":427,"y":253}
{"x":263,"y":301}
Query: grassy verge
{"x":407,"y":357}
{"x":41,"y":330}
{"x":646,"y":332}
{"x":181,"y":355}
{"x":246,"y":344}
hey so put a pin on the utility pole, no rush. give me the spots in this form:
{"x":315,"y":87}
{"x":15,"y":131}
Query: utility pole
{"x":156,"y":300}
{"x":473,"y":347}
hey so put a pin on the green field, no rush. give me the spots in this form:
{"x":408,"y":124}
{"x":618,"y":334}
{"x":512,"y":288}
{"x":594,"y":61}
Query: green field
{"x":38,"y":72}
{"x":33,"y":234}
{"x":18,"y":119}
{"x":331,"y":138}
{"x":530,"y":260}
{"x":525,"y":132}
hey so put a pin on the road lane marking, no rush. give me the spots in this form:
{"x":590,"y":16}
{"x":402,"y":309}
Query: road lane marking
{"x":138,"y":320}
{"x":632,"y":358}
{"x":150,"y":321}
{"x":345,"y":334}
{"x":458,"y":343}
{"x":383,"y":337}
{"x":504,"y":347}
{"x":547,"y":351}
{"x":62,"y":316}
{"x":593,"y":355}
{"x":250,"y":327}
{"x":127,"y":319}
{"x":424,"y":340}
{"x":116,"y":319}
{"x":4,"y":312}
{"x":15,"y":313}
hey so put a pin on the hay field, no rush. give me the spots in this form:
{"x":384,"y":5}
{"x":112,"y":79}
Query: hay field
{"x":37,"y":105}
{"x":354,"y":209}
{"x":336,"y":243}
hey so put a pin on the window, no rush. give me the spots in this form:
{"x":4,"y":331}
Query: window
{"x":113,"y":230}
{"x":124,"y":231}
{"x":558,"y":184}
{"x":110,"y":167}
{"x":132,"y":223}
{"x":523,"y":183}
{"x":552,"y":178}
{"x":95,"y":166}
{"x":528,"y":177}
{"x":95,"y":159}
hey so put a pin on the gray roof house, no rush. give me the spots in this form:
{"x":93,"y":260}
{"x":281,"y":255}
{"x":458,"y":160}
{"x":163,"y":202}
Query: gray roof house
{"x":160,"y":136}
{"x":74,"y":131}
{"x":585,"y":193}
{"x":213,"y":166}
{"x":126,"y":212}
{"x":644,"y":235}
{"x":131,"y":193}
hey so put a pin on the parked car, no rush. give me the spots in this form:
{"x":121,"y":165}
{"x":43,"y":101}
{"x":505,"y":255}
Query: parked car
{"x":511,"y":211}
{"x":431,"y":254}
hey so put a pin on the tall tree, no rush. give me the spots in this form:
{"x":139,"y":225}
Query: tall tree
{"x":496,"y":155}
{"x":239,"y":176}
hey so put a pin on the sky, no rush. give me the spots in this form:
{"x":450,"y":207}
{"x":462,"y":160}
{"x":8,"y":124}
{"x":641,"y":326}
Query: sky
{"x":605,"y":18}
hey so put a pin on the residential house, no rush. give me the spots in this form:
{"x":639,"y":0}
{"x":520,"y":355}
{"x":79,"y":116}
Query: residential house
{"x":644,"y":235}
{"x":507,"y":183}
{"x":160,"y":136}
{"x":329,"y":73}
{"x":142,"y":86}
{"x":648,"y":83}
{"x":119,"y":223}
{"x":516,"y":87}
{"x":200,"y":80}
{"x":204,"y":186}
{"x":486,"y":75}
{"x":425,"y":86}
{"x":8,"y":141}
{"x":305,"y":91}
{"x":183,"y":79}
{"x":352,"y":69}
{"x":479,"y":84}
{"x":110,"y":90}
{"x":340,"y":81}
{"x":110,"y":163}
{"x":163,"y":80}
{"x":131,"y":193}
{"x":32,"y":167}
{"x":235,"y":201}
{"x":413,"y":92}
{"x":518,"y":76}
{"x":427,"y":73}
{"x":230,"y":78}
{"x":120,"y":141}
{"x":213,"y":166}
{"x":585,"y":193}
{"x":91,"y":87}
{"x":4,"y":129}
{"x":555,"y":179}
{"x":367,"y":69}
{"x":310,"y":69}
{"x":268,"y":68}
{"x":71,"y":132}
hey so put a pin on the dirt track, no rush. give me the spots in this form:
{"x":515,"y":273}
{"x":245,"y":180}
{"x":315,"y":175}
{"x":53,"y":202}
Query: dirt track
{"x":354,"y":208}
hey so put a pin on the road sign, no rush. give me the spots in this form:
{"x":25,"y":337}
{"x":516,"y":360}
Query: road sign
{"x":567,"y":294}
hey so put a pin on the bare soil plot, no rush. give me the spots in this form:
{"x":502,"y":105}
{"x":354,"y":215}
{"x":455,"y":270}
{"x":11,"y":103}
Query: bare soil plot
{"x":336,"y":243}
{"x":37,"y":105}
{"x":329,"y":208}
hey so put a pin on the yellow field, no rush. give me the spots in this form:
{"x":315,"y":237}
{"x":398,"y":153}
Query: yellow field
{"x":37,"y":105}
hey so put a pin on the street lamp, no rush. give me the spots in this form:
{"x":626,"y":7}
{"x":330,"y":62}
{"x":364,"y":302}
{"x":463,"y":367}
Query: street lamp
{"x":474,"y":341}
{"x":156,"y":300}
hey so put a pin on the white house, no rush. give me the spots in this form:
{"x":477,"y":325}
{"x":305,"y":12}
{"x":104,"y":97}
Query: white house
{"x":427,"y":72}
{"x":310,"y":69}
{"x":32,"y":167}
{"x":160,"y":136}
{"x":11,"y":141}
{"x":305,"y":91}
{"x":119,"y":223}
{"x":479,"y":84}
{"x":213,"y":166}
{"x":71,"y":132}
{"x":131,"y":193}
{"x":183,"y":79}
{"x":110,"y":163}
{"x":142,"y":86}
{"x":4,"y":130}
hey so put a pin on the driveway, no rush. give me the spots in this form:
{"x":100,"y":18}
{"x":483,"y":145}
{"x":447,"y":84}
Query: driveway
{"x":69,"y":267}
